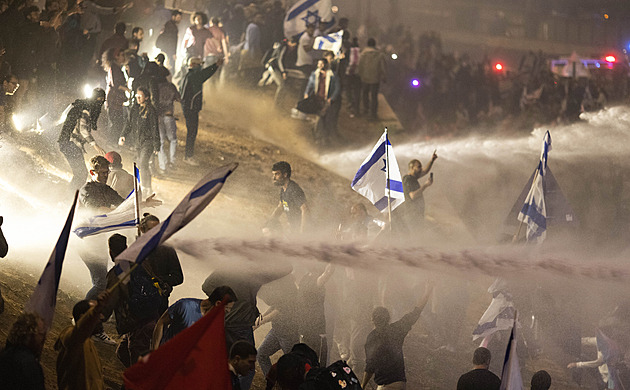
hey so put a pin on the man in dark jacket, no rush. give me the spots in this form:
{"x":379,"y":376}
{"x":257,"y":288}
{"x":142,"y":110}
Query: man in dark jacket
{"x":167,"y":40}
{"x":77,"y":129}
{"x":192,"y":101}
{"x":142,"y":126}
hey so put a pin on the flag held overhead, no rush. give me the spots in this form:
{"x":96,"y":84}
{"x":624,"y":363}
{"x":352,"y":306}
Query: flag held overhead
{"x":192,"y":205}
{"x":379,"y":177}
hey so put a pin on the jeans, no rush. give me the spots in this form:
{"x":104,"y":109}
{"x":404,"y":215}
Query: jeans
{"x":74,"y":155}
{"x":370,"y":99}
{"x":241,"y":333}
{"x":93,"y":252}
{"x":277,"y":78}
{"x":274,"y":341}
{"x":168,"y":132}
{"x":192,"y":125}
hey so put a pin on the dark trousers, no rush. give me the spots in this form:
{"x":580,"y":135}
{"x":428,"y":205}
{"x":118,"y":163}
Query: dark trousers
{"x":370,"y":99}
{"x":353,"y":92}
{"x":326,"y":125}
{"x":192,"y":126}
{"x":116,"y":122}
{"x":74,"y":155}
{"x":135,"y":344}
{"x":144,"y":158}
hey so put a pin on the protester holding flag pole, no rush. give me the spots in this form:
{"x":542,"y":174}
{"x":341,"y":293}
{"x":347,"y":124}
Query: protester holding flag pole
{"x":378,"y":178}
{"x":192,"y":205}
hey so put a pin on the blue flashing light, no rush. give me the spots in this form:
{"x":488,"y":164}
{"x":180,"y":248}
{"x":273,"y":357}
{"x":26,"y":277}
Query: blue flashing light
{"x":415,"y":83}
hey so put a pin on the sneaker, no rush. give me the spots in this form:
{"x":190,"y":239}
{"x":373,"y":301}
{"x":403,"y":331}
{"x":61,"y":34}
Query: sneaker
{"x":191,"y":161}
{"x":103,"y":338}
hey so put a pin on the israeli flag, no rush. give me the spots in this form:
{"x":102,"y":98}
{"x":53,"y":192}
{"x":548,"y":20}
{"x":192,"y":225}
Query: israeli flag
{"x":44,"y":298}
{"x":499,"y":315}
{"x":371,"y":180}
{"x":330,"y":42}
{"x":303,"y":12}
{"x":192,"y":205}
{"x":534,"y":211}
{"x":511,"y":376}
{"x":123,"y":216}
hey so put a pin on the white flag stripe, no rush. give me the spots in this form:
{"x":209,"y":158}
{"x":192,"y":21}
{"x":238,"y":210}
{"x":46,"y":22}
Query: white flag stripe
{"x":44,"y":298}
{"x":511,"y":375}
{"x":371,"y":179}
{"x":192,"y":204}
{"x":534,"y":211}
{"x":500,"y":313}
{"x":330,"y":42}
{"x":123,"y":216}
{"x":303,"y":12}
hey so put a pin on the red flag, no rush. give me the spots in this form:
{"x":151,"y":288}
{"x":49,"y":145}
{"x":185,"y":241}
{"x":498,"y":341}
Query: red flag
{"x":196,"y":358}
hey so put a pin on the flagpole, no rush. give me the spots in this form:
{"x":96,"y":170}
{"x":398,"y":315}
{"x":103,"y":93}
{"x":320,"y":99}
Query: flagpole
{"x":137,"y":196}
{"x":123,"y":278}
{"x":389,"y":199}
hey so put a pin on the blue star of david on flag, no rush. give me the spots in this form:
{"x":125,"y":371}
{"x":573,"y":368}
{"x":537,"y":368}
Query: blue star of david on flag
{"x":303,"y":12}
{"x":312,"y":17}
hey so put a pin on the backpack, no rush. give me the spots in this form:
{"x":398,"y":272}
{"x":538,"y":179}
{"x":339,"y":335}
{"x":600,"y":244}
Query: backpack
{"x":146,"y":296}
{"x":334,"y":377}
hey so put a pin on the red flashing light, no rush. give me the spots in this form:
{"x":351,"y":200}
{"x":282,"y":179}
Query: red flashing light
{"x":610,"y":59}
{"x":498,"y":67}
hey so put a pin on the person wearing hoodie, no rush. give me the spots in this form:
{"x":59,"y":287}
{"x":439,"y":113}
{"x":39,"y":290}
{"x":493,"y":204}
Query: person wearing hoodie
{"x":372,"y":73}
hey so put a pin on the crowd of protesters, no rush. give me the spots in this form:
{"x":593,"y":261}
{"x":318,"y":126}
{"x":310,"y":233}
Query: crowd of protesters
{"x":455,"y":91}
{"x":54,"y":51}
